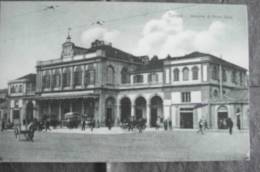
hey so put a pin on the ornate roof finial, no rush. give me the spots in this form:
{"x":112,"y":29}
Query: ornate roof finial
{"x":69,"y":35}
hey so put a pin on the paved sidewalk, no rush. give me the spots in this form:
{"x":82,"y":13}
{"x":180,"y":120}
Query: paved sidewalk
{"x":118,"y":130}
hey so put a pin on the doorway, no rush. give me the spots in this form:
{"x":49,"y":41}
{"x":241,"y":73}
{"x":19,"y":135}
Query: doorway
{"x":156,"y":111}
{"x":222,"y":120}
{"x":125,"y":105}
{"x":154,"y":117}
{"x":110,"y":106}
{"x":222,"y":117}
{"x":186,"y":120}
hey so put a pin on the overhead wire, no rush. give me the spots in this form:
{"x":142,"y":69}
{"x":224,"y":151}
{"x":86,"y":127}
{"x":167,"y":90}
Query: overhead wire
{"x":105,"y":22}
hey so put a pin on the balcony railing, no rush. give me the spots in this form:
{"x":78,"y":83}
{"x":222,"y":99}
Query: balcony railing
{"x":77,"y":57}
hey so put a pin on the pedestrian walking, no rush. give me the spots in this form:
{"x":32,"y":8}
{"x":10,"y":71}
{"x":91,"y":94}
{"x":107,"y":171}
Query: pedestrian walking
{"x":238,"y":122}
{"x":230,"y":125}
{"x":47,"y":125}
{"x":170,"y":124}
{"x":109,"y":123}
{"x":83,"y":125}
{"x":206,"y":125}
{"x":2,"y":125}
{"x":165,"y":124}
{"x":201,"y":126}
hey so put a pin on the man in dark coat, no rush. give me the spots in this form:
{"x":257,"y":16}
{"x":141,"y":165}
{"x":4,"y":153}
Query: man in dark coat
{"x":2,"y":125}
{"x":230,"y":125}
{"x":83,"y":125}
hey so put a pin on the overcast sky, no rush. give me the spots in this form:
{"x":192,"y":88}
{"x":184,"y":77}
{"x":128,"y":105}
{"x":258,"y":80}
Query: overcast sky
{"x":30,"y":31}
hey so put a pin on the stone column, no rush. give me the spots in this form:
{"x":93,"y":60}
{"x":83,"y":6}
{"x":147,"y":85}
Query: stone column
{"x":173,"y":116}
{"x":72,"y":77}
{"x":99,"y":112}
{"x":35,"y":110}
{"x":133,"y":110}
{"x":60,"y":110}
{"x":82,"y":107}
{"x":117,"y":120}
{"x":178,"y":121}
{"x":61,"y":79}
{"x":11,"y":114}
{"x":148,"y":114}
{"x":51,"y":80}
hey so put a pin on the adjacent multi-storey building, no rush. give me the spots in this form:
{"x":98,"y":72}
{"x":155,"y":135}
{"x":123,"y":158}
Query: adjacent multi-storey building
{"x":109,"y":84}
{"x":21,"y":94}
{"x":3,"y":105}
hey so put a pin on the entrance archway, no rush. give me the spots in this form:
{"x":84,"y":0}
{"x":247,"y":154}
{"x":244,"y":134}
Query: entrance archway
{"x":140,"y":108}
{"x":110,"y":110}
{"x":222,"y":117}
{"x":29,"y":112}
{"x":125,"y":112}
{"x":156,"y":111}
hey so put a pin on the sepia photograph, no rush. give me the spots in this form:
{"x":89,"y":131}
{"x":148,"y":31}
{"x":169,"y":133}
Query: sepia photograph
{"x":123,"y":82}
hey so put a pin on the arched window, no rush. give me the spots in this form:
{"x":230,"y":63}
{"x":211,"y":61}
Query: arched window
{"x":185,"y":72}
{"x":78,"y":76}
{"x":66,"y":77}
{"x":176,"y":74}
{"x":46,"y":80}
{"x":153,"y":77}
{"x":234,"y":77}
{"x":125,"y":76}
{"x":215,"y":74}
{"x":56,"y":79}
{"x":195,"y":73}
{"x":224,"y":75}
{"x":89,"y":76}
{"x":110,"y":75}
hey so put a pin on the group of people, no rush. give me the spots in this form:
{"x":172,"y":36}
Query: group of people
{"x":203,"y":125}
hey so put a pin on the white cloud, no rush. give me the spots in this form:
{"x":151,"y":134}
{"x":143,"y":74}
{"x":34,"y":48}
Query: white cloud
{"x":167,"y":35}
{"x":100,"y":33}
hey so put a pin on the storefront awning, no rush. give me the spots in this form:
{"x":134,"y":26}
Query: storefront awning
{"x":200,"y":105}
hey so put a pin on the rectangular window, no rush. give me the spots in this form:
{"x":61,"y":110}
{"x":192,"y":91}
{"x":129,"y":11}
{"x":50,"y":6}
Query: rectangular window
{"x":241,"y":78}
{"x":234,"y":77}
{"x":152,"y":78}
{"x":224,"y":75}
{"x":138,"y":78}
{"x":185,"y":97}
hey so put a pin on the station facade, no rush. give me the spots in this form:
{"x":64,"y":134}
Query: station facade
{"x":109,"y":84}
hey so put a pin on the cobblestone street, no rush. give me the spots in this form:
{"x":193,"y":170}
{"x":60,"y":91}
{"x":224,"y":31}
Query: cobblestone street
{"x":118,"y":145}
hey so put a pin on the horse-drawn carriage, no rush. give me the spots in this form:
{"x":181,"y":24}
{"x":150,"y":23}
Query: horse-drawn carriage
{"x":26,"y":130}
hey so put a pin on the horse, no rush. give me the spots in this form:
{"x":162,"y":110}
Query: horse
{"x":27,"y":131}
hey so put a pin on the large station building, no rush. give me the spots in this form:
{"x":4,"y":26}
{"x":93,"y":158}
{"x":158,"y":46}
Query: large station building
{"x":107,"y":83}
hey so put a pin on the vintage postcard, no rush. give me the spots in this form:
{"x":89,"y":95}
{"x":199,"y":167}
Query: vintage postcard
{"x":123,"y":82}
